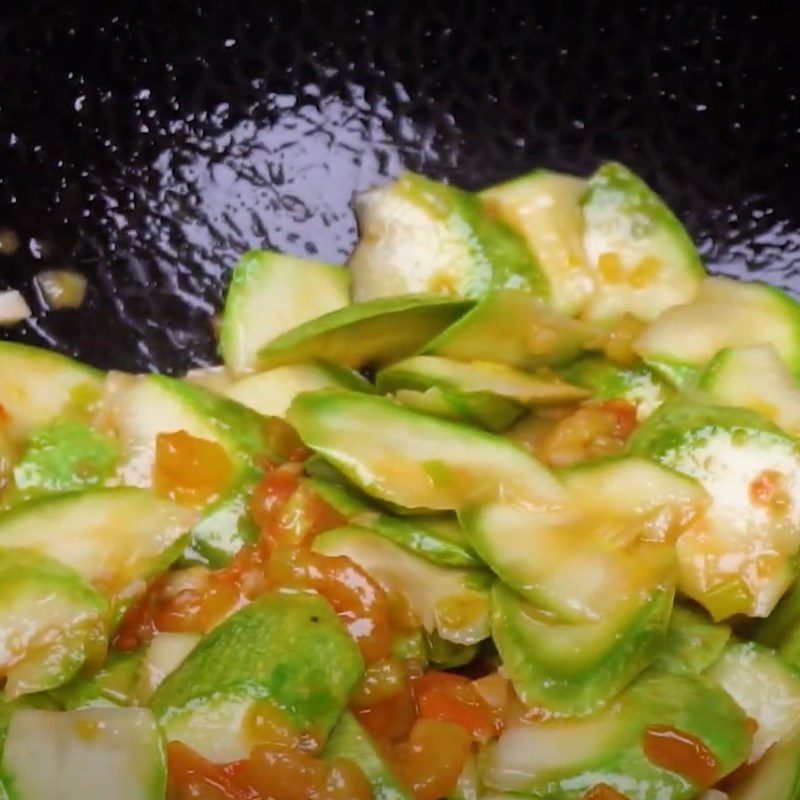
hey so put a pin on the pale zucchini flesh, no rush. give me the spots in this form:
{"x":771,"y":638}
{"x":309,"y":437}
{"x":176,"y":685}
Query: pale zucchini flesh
{"x":416,"y":461}
{"x":269,"y":294}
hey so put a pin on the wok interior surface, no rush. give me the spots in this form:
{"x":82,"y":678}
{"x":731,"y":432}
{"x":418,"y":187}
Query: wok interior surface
{"x":147,"y":146}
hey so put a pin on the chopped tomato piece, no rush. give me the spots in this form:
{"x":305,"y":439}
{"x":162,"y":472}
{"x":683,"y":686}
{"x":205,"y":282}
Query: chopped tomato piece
{"x":452,"y":698}
{"x":282,"y":439}
{"x":190,"y":470}
{"x":192,"y":777}
{"x":431,"y":761}
{"x":390,"y":720}
{"x":680,"y":752}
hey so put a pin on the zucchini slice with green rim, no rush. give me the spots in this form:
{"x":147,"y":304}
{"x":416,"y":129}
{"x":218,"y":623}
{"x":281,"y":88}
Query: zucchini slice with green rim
{"x":421,"y":236}
{"x":694,"y":643}
{"x":726,"y":313}
{"x":775,"y":777}
{"x":416,"y":461}
{"x":52,"y":622}
{"x":639,"y":254}
{"x":576,"y":669}
{"x":420,"y":373}
{"x":165,"y":653}
{"x":765,"y":687}
{"x":605,"y":380}
{"x":544,"y":208}
{"x":373,"y":332}
{"x":271,"y":393}
{"x":269,"y":294}
{"x":113,"y":684}
{"x":754,"y":377}
{"x":114,"y":538}
{"x":451,"y":601}
{"x":37,"y":386}
{"x":512,"y":327}
{"x":349,"y":740}
{"x":564,"y":759}
{"x":436,"y":538}
{"x":289,"y":650}
{"x":77,"y":755}
{"x":741,"y":555}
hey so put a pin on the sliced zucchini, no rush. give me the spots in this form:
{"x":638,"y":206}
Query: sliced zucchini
{"x":638,"y":384}
{"x":693,"y":643}
{"x":765,"y":687}
{"x":453,"y":602}
{"x":481,"y":410}
{"x":287,"y":650}
{"x":421,"y":236}
{"x":553,"y":560}
{"x":565,"y":759}
{"x":113,"y":684}
{"x":576,"y":669}
{"x":775,"y":777}
{"x":781,"y":629}
{"x":443,"y":654}
{"x":51,"y":623}
{"x":150,"y":405}
{"x":725,"y":313}
{"x":165,"y":653}
{"x":216,"y":379}
{"x":544,"y":208}
{"x":270,"y":293}
{"x":77,"y":755}
{"x":478,"y":377}
{"x":373,"y":332}
{"x":756,"y":378}
{"x":639,"y":254}
{"x":740,"y":556}
{"x":37,"y":386}
{"x":512,"y":327}
{"x":65,"y":455}
{"x":413,"y":460}
{"x":225,"y":525}
{"x":438,"y":539}
{"x":271,"y":392}
{"x":349,"y":740}
{"x":114,"y":538}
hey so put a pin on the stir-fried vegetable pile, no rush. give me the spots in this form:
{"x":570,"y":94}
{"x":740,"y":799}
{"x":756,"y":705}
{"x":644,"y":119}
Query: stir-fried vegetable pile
{"x":508,"y":509}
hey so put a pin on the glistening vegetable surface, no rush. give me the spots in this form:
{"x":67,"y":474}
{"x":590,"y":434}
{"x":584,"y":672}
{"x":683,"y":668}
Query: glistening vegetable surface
{"x":544,"y":545}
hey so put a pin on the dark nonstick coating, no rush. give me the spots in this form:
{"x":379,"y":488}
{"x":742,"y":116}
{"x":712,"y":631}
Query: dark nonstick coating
{"x":147,"y":143}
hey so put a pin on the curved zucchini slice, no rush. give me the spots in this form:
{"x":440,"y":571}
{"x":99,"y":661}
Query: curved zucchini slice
{"x":51,"y":623}
{"x":775,"y":777}
{"x":114,"y":684}
{"x":271,"y":393}
{"x":605,"y":380}
{"x":373,"y":332}
{"x":565,"y":759}
{"x":725,"y":313}
{"x":421,"y":236}
{"x":63,"y":456}
{"x":416,"y":461}
{"x":288,"y":650}
{"x":453,"y":602}
{"x":740,"y":557}
{"x":436,"y":538}
{"x":576,"y":669}
{"x":694,"y":643}
{"x":754,"y":377}
{"x":481,"y":410}
{"x":555,"y":562}
{"x":114,"y":538}
{"x":639,"y":254}
{"x":76,"y":755}
{"x":420,"y":373}
{"x":512,"y":327}
{"x":765,"y":687}
{"x":37,"y":386}
{"x":165,"y":653}
{"x":349,"y":740}
{"x":544,"y":208}
{"x":269,"y":294}
{"x":139,"y":409}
